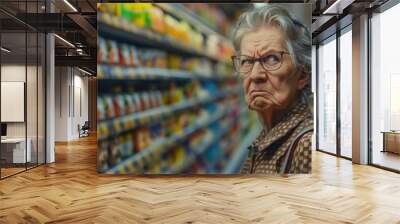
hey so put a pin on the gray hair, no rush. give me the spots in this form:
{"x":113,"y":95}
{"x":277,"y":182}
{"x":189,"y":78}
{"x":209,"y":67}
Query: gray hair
{"x":298,"y":36}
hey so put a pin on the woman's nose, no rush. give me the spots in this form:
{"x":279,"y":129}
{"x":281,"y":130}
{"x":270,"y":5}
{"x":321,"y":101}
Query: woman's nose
{"x":258,"y":74}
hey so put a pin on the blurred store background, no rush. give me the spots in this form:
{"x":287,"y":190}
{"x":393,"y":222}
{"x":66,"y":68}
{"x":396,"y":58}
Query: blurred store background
{"x":168,"y":100}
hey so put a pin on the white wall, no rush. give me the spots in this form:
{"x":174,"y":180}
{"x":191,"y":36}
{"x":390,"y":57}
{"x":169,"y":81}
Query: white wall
{"x":71,"y":93}
{"x":13,"y":73}
{"x":80,"y":115}
{"x":62,"y":81}
{"x":16,"y":73}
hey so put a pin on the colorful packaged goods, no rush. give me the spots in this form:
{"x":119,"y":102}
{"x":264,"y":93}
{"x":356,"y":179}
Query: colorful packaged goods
{"x":102,"y":156}
{"x":137,"y":13}
{"x":113,"y":55}
{"x":115,"y":152}
{"x":174,"y":61}
{"x":108,"y":106}
{"x":101,"y":109}
{"x":170,"y":27}
{"x":158,"y":98}
{"x":102,"y":54}
{"x":157,"y":20}
{"x":136,"y":102}
{"x":134,"y":56}
{"x":108,"y":8}
{"x":119,"y":103}
{"x":124,"y":54}
{"x":130,"y":105}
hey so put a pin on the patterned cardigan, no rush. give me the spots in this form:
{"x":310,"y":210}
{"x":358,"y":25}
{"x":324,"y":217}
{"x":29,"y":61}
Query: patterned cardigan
{"x":268,"y":152}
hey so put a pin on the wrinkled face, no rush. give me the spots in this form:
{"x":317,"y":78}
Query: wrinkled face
{"x":269,"y":90}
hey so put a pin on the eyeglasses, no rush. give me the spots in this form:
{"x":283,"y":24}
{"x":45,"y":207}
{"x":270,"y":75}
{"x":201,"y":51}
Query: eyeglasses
{"x":243,"y":64}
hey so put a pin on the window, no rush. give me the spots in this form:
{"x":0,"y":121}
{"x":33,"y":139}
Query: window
{"x":327,"y":95}
{"x":346,"y":93}
{"x":385,"y":88}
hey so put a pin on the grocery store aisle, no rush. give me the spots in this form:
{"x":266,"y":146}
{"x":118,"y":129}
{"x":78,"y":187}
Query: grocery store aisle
{"x":70,"y":191}
{"x":168,"y":99}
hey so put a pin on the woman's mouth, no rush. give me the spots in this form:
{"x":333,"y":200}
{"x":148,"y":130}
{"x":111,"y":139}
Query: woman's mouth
{"x":259,"y":99}
{"x":259,"y":93}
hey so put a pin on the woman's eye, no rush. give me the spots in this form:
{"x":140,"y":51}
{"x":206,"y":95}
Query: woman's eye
{"x":245,"y":62}
{"x":271,"y":59}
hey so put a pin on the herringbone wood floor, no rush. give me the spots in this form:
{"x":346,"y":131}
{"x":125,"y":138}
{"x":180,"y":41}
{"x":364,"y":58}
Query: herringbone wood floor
{"x":70,"y":191}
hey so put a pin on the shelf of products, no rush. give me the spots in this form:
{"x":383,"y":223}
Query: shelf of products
{"x":128,"y":61}
{"x":155,"y":141}
{"x":121,"y":113}
{"x":241,"y":152}
{"x":213,"y":16}
{"x":168,"y":101}
{"x":115,"y":72}
{"x":163,"y":26}
{"x":209,"y":139}
{"x":121,"y":29}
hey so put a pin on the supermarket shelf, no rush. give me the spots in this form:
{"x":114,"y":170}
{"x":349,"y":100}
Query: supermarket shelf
{"x":187,"y":163}
{"x":187,"y":15}
{"x":200,"y":150}
{"x":235,"y":138}
{"x":162,"y":145}
{"x":244,"y":111}
{"x":241,"y":151}
{"x":118,"y":72}
{"x":129,"y":122}
{"x":221,"y":133}
{"x":231,"y":144}
{"x":123,"y":31}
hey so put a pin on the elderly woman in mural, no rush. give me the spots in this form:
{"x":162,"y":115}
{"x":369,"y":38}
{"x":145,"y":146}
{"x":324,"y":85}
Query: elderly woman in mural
{"x":273,"y":59}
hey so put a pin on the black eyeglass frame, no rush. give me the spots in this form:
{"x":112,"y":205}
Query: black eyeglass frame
{"x":235,"y":57}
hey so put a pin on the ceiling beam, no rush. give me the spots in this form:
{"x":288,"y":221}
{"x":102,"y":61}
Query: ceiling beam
{"x":82,"y":61}
{"x":90,"y":31}
{"x":337,"y":6}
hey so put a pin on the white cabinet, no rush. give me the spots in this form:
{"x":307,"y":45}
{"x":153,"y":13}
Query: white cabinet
{"x":17,"y":146}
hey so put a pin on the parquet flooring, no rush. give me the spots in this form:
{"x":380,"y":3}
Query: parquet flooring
{"x":10,"y":171}
{"x":387,"y":159}
{"x":70,"y":191}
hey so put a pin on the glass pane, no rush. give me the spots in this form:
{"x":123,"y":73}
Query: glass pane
{"x":13,"y":87}
{"x":31,"y":97}
{"x":314,"y":90}
{"x":346,"y":94}
{"x":327,"y":96}
{"x":22,"y":67}
{"x":41,"y":99}
{"x":385,"y":89}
